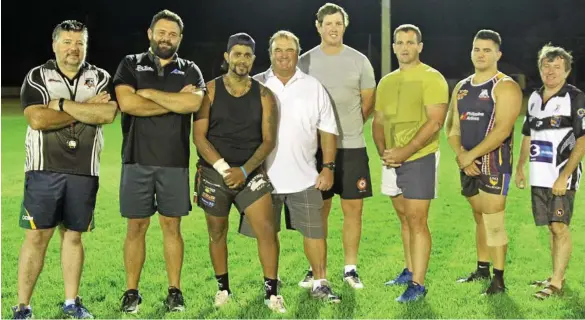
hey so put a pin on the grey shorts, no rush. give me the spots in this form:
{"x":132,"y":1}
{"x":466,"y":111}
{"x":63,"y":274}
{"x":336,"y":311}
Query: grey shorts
{"x":548,"y":208}
{"x":302,"y":212}
{"x":415,"y":179}
{"x":215,"y":198}
{"x":145,"y":190}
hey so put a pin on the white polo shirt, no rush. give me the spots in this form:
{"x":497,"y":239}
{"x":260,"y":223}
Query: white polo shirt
{"x":304,"y":108}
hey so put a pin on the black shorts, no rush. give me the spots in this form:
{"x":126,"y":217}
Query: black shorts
{"x":351,"y":179}
{"x":216,"y":198}
{"x":52,"y":198}
{"x":494,"y":184}
{"x":548,"y":208}
{"x":145,"y":190}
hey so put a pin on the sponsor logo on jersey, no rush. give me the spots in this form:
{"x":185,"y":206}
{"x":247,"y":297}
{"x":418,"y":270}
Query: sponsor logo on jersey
{"x":461,"y":94}
{"x":541,"y":151}
{"x":555,"y":121}
{"x":484,"y":95}
{"x":472,"y":116}
{"x":140,"y":68}
{"x":581,"y":112}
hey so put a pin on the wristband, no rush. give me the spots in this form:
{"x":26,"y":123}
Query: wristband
{"x":61,"y":100}
{"x":244,"y":171}
{"x":221,"y":166}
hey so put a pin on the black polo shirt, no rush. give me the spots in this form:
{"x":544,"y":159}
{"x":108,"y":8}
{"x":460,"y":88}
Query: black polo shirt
{"x":158,"y":140}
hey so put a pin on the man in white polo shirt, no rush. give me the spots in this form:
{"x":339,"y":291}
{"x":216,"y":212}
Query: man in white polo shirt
{"x":305,"y":113}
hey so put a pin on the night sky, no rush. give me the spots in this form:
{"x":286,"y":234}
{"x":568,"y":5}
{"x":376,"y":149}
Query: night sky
{"x":118,"y":28}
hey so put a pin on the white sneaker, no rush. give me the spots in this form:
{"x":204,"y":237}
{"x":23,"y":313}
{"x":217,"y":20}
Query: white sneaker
{"x":307,"y":282}
{"x":353,"y":279}
{"x":275,"y":303}
{"x":221,"y":298}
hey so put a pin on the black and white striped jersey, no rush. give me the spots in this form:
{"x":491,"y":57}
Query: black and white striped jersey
{"x":74,"y":149}
{"x":554,"y":127}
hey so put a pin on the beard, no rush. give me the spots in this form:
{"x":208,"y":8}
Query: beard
{"x":163,"y":53}
{"x":240,"y":70}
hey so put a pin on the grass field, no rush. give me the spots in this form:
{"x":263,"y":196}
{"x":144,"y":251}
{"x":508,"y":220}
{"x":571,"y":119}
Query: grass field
{"x":453,"y":255}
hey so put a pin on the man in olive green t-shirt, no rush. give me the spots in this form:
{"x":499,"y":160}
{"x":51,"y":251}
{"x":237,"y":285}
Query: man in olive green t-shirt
{"x":411,"y":105}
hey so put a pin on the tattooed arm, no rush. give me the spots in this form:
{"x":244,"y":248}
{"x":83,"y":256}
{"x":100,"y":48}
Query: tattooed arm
{"x":269,"y":124}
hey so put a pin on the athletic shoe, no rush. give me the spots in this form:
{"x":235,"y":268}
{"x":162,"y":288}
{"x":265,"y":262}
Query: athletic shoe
{"x":77,"y":310}
{"x":21,"y":312}
{"x":175,"y":301}
{"x":413,"y":292}
{"x":130,"y":302}
{"x":275,"y":303}
{"x":324,"y":292}
{"x":496,"y":286}
{"x":307,"y":282}
{"x":353,"y":279}
{"x":403,"y":278}
{"x":221,"y":298}
{"x":475,"y":276}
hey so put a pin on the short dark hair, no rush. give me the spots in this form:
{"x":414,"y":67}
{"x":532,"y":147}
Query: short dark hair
{"x":550,"y":53}
{"x":409,"y":27}
{"x":167,"y":15}
{"x":331,"y":8}
{"x":69,"y":25}
{"x":486,"y":34}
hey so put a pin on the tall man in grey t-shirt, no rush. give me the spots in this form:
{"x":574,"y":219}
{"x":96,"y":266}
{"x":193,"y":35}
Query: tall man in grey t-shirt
{"x":349,"y":79}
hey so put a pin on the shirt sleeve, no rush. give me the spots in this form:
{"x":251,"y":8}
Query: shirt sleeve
{"x":33,"y":90}
{"x":327,"y":120}
{"x":195,"y":77}
{"x":367,"y":78}
{"x":126,"y":73}
{"x":578,"y":114}
{"x":436,"y":91}
{"x":525,"y":124}
{"x":105,"y":83}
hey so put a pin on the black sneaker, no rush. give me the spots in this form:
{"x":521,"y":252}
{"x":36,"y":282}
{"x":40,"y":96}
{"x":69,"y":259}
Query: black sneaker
{"x":175,"y":301}
{"x":130,"y":301}
{"x":324,"y":292}
{"x":475,"y":276}
{"x":21,"y":312}
{"x":496,"y":286}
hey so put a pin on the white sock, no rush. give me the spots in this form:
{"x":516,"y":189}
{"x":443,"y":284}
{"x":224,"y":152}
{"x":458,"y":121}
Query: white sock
{"x":69,"y":302}
{"x":350,"y":267}
{"x":317,"y":283}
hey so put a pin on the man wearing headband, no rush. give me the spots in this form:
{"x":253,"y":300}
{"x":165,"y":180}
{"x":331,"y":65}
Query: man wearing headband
{"x":234,"y":132}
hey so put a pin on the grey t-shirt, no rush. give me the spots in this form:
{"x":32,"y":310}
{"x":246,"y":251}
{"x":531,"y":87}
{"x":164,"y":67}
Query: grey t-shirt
{"x":344,"y":75}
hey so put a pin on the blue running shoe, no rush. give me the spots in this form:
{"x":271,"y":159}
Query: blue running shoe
{"x":401,"y":279}
{"x":21,"y":312}
{"x":77,"y":310}
{"x":413,"y":292}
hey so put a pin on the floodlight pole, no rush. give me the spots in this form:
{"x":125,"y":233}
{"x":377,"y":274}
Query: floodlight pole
{"x":386,"y":38}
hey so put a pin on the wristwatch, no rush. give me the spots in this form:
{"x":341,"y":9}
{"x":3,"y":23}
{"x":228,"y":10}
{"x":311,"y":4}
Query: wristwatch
{"x":329,"y":165}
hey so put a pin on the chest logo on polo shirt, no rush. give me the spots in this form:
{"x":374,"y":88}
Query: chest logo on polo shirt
{"x":484,"y":95}
{"x":541,"y":151}
{"x":89,"y":82}
{"x":179,"y":72}
{"x":55,"y":80}
{"x":140,"y":68}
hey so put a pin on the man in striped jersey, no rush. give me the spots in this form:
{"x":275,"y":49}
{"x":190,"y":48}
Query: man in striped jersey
{"x":554,"y":138}
{"x":480,"y":128}
{"x":65,"y":101}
